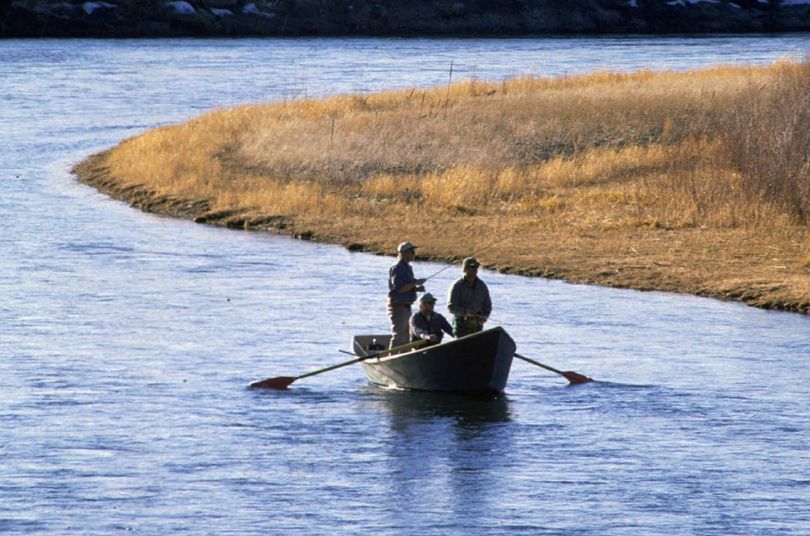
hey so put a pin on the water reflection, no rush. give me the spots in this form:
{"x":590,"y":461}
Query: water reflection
{"x":458,"y":445}
{"x":467,"y":413}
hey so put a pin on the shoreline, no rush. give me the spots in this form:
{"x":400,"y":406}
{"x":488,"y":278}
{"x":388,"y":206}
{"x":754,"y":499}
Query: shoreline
{"x":658,"y":274}
{"x":420,"y":34}
{"x":418,"y":18}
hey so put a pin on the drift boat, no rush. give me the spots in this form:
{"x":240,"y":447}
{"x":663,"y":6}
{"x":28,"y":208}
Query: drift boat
{"x":478,"y":363}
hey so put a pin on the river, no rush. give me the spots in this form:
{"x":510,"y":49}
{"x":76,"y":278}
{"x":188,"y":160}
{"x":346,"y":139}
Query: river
{"x":127,"y":340}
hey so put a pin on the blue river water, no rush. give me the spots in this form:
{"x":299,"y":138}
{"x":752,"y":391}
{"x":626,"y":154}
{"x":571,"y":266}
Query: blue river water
{"x":127,"y":340}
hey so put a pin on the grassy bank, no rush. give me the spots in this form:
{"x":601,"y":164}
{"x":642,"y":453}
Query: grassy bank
{"x":694,"y":182}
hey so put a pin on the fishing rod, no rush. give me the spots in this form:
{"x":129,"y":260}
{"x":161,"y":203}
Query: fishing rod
{"x":474,"y":254}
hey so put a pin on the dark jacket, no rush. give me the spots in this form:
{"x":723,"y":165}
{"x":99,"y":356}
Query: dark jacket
{"x":421,"y":327}
{"x":465,"y":298}
{"x":399,"y":275}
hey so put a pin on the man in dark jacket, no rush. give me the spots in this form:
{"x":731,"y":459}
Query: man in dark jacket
{"x":402,"y":288}
{"x":427,"y":324}
{"x":469,"y":301}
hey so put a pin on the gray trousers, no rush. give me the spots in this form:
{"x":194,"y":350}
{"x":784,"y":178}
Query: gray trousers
{"x":400,"y":315}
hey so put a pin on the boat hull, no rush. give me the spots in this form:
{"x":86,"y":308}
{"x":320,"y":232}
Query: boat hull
{"x":477,"y":363}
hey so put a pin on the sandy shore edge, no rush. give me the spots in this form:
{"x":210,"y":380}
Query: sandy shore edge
{"x":656,"y":275}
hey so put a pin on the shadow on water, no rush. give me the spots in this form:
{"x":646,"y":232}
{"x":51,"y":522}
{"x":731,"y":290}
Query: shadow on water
{"x":465,"y":412}
{"x":451,"y":449}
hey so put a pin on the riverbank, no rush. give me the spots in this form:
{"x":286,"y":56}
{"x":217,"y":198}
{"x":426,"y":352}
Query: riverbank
{"x":692,"y":182}
{"x":230,"y":18}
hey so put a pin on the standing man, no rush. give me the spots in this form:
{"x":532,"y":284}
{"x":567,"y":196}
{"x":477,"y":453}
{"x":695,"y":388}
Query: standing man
{"x":402,"y":287}
{"x":469,"y":301}
{"x":427,"y":324}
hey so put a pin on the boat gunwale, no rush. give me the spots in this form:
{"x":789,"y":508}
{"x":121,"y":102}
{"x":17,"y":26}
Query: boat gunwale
{"x":419,"y":351}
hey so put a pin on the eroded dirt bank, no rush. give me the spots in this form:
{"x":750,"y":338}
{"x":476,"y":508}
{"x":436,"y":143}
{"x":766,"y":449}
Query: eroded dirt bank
{"x":762,"y":271}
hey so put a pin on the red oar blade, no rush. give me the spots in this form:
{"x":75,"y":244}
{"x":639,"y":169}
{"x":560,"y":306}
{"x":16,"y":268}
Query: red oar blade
{"x":576,"y":378}
{"x":281,"y":382}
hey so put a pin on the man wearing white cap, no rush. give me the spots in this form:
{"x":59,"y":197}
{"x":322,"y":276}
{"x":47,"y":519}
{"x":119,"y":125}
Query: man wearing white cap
{"x":402,"y":287}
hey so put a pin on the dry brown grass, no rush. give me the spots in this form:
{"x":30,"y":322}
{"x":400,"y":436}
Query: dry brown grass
{"x":696,"y":169}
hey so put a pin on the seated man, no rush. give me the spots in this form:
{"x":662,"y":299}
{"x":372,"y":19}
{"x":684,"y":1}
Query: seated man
{"x":426,"y":324}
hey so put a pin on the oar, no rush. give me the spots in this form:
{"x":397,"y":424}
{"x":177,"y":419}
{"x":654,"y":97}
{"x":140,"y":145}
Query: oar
{"x":571,"y":376}
{"x":282,"y":382}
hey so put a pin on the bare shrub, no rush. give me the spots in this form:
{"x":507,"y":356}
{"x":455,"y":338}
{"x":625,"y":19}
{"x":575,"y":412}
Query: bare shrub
{"x":767,"y":139}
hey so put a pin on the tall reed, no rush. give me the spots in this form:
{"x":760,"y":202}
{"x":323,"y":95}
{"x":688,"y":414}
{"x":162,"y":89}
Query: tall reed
{"x":768,"y":141}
